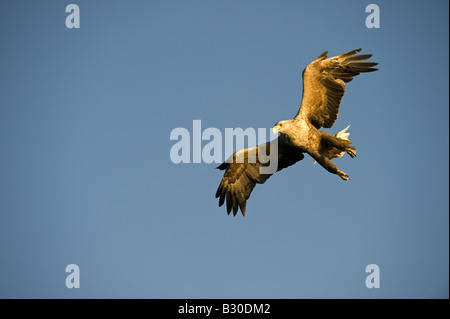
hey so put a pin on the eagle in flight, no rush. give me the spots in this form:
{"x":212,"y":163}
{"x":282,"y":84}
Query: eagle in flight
{"x":323,"y":87}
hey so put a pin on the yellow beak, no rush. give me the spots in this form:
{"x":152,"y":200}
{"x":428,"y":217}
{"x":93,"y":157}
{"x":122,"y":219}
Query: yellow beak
{"x":275,"y":129}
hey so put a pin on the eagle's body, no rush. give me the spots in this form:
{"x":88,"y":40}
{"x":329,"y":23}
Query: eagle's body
{"x":323,"y":87}
{"x":305,"y":135}
{"x":320,"y":145}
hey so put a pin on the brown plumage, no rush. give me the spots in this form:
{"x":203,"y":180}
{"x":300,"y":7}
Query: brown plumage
{"x":323,"y":88}
{"x":241,"y":176}
{"x":324,"y":85}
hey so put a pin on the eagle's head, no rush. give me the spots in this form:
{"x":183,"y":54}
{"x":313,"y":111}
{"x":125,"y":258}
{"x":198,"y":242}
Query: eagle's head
{"x":281,"y":127}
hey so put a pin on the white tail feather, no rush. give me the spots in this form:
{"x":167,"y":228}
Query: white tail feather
{"x":342,"y":135}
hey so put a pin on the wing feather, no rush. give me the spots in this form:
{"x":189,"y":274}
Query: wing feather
{"x":240,"y":179}
{"x":324,"y":85}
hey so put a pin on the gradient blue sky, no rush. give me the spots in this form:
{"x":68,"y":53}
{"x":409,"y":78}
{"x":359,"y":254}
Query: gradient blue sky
{"x":86,"y":177}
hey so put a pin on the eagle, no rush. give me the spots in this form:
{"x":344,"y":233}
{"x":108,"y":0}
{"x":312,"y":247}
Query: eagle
{"x":323,"y":88}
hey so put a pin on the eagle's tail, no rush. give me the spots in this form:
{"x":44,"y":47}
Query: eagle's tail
{"x":344,"y":136}
{"x":334,"y":152}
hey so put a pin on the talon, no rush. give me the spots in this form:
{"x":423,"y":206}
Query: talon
{"x":343,"y":175}
{"x":351,"y":152}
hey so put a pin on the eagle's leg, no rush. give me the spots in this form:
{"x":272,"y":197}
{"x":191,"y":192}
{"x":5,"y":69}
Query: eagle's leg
{"x":343,"y":175}
{"x":351,"y":152}
{"x":343,"y":145}
{"x":331,"y":167}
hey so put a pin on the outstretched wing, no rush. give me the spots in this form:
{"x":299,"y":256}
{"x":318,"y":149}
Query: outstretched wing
{"x":243,"y":173}
{"x":324,"y":85}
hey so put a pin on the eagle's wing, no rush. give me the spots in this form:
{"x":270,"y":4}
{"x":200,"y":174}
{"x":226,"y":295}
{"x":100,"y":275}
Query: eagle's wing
{"x":324,"y":85}
{"x":243,"y":173}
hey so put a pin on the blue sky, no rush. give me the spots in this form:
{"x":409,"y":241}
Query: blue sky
{"x":86,"y":177}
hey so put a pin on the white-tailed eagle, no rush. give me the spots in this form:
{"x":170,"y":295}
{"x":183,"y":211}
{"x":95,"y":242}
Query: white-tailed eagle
{"x":323,"y":87}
